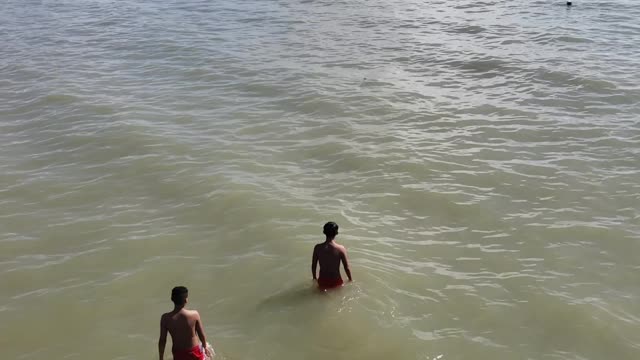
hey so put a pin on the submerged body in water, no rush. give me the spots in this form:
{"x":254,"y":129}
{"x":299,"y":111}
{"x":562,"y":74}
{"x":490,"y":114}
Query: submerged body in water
{"x":330,"y":255}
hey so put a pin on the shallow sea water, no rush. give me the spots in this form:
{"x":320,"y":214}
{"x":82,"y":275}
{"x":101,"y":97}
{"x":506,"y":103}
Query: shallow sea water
{"x":481,"y":158}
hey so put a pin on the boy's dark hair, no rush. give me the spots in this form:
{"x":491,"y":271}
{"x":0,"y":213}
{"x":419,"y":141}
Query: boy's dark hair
{"x":179,"y":295}
{"x":330,"y":229}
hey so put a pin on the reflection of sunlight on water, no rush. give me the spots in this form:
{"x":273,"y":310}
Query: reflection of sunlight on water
{"x":350,"y":293}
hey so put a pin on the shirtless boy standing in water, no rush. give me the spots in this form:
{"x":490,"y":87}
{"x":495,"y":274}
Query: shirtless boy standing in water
{"x":185,"y":328}
{"x":329,"y":254}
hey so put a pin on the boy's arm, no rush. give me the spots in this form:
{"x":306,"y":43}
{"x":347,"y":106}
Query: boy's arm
{"x":345,"y":263}
{"x":199,"y":331}
{"x":163,"y":338}
{"x":314,"y":262}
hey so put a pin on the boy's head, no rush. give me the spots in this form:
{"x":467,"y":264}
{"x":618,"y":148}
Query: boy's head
{"x":179,"y":295}
{"x":330,"y":229}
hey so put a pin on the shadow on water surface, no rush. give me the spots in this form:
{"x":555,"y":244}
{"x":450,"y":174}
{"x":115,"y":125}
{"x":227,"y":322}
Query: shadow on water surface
{"x":296,"y":295}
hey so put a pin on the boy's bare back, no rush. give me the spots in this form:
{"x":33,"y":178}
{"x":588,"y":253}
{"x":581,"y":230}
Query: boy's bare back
{"x":182,"y":326}
{"x":329,"y":255}
{"x":185,"y":328}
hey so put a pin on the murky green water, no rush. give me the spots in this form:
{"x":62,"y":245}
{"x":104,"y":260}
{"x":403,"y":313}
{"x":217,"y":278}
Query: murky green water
{"x":481,"y":159}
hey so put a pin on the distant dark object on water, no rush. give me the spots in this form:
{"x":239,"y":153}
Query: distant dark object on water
{"x":569,"y":3}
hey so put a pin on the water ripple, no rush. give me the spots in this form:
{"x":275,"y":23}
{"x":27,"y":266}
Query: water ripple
{"x":480,"y":158}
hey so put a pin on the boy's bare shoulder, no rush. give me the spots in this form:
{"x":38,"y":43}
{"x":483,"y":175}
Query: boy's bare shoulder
{"x":341,"y":247}
{"x":165,"y":319}
{"x":193,"y":313}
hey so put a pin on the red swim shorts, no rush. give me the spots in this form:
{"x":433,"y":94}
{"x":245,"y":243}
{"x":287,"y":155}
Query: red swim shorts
{"x":195,"y":353}
{"x":325,"y":284}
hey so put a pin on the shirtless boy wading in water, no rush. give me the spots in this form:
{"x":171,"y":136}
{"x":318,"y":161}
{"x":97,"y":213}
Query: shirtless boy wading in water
{"x":329,"y":254}
{"x":185,"y":328}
